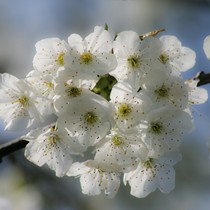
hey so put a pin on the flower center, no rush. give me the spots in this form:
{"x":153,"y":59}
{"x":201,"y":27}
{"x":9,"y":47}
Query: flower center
{"x":133,"y":62}
{"x":162,"y":92}
{"x":156,"y":127}
{"x":91,"y":117}
{"x":60,"y":59}
{"x":124,"y":110}
{"x":86,"y":58}
{"x":49,"y":86}
{"x":164,"y":58}
{"x":54,"y":138}
{"x":117,"y":140}
{"x":23,"y":100}
{"x":148,"y":164}
{"x":73,"y":91}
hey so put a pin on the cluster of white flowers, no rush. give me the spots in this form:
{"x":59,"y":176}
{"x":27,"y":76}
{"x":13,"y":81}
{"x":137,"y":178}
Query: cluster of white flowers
{"x":135,"y":135}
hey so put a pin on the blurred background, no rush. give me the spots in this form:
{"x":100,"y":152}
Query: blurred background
{"x":23,"y":186}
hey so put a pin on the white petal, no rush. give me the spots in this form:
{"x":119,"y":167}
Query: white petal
{"x":206,"y":46}
{"x":77,"y":169}
{"x":166,"y":179}
{"x":90,"y":183}
{"x":170,"y":41}
{"x":34,"y":153}
{"x":126,"y":44}
{"x":99,"y":41}
{"x":142,"y":182}
{"x":8,"y":81}
{"x":197,"y":95}
{"x":111,"y":184}
{"x":75,"y":41}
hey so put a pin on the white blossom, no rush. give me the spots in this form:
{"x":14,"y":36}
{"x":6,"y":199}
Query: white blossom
{"x":69,"y":85}
{"x":49,"y":146}
{"x":50,"y":55}
{"x":18,"y":103}
{"x":151,"y":174}
{"x":180,"y":58}
{"x":129,"y":106}
{"x":134,"y":56}
{"x":87,"y":119}
{"x":92,"y":55}
{"x":164,"y":89}
{"x":43,"y":83}
{"x":162,"y":129}
{"x":44,"y":86}
{"x":121,"y":151}
{"x":96,"y":178}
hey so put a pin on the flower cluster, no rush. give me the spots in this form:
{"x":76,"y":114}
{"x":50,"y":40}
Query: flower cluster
{"x":135,"y":134}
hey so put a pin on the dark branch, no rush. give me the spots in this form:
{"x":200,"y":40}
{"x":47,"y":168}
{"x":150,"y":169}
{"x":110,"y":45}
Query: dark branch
{"x":12,"y":146}
{"x":204,"y":78}
{"x":17,"y":144}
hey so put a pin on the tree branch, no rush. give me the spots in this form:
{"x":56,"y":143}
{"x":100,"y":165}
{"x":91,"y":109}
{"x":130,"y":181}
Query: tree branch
{"x":12,"y":146}
{"x":17,"y":144}
{"x":204,"y":78}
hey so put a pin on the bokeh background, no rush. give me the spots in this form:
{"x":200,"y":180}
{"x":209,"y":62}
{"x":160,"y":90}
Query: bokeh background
{"x":23,"y":186}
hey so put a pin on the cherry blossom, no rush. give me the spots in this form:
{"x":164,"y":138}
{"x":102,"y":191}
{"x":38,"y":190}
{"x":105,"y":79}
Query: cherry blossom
{"x":50,"y":55}
{"x":96,"y":178}
{"x":151,"y":174}
{"x":49,"y":146}
{"x":18,"y":103}
{"x":92,"y":55}
{"x":180,"y":58}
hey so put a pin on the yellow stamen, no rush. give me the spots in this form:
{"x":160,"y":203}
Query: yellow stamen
{"x":163,"y":58}
{"x":156,"y":127}
{"x":86,"y":58}
{"x":91,"y":117}
{"x":133,"y":62}
{"x":124,"y":110}
{"x":117,"y":141}
{"x":60,"y":59}
{"x":23,"y":100}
